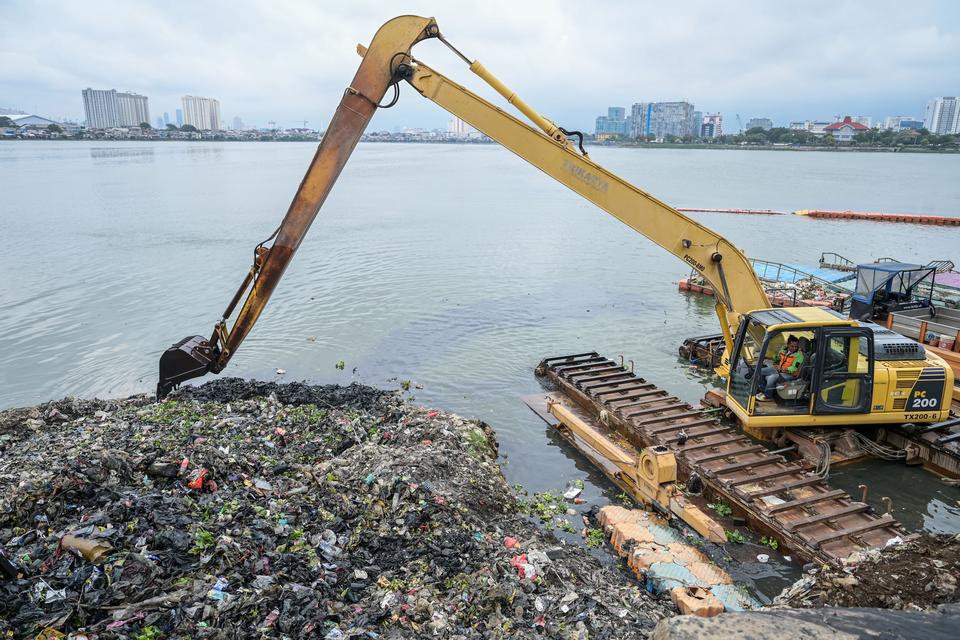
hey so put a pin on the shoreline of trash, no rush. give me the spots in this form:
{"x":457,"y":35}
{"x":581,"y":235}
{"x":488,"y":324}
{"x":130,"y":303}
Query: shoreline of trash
{"x":243,"y":508}
{"x":240,"y":509}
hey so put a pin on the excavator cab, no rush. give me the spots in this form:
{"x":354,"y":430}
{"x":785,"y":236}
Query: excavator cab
{"x":834,"y":372}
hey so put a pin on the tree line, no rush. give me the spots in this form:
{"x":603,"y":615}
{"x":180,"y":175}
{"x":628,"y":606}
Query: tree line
{"x":757,"y":136}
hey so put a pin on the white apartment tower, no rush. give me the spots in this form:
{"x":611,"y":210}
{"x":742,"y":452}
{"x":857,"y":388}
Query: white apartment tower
{"x":202,"y":113}
{"x":943,"y":115}
{"x":100,"y":107}
{"x":457,"y":128}
{"x":111,"y":108}
{"x":132,"y":109}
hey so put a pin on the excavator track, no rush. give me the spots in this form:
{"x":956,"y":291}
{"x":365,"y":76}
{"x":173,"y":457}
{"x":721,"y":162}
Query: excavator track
{"x":778,"y":497}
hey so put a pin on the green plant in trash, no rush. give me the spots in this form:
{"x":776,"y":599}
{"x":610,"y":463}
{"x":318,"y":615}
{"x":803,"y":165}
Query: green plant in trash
{"x":477,"y":440}
{"x":230,"y":507}
{"x":770,"y":542}
{"x":405,"y":385}
{"x":545,"y":505}
{"x":624,"y":499}
{"x":595,"y":537}
{"x":722,"y":508}
{"x":341,"y":365}
{"x":202,"y":540}
{"x":309,"y":414}
{"x":171,"y":412}
{"x":735,"y":537}
{"x":149,"y":633}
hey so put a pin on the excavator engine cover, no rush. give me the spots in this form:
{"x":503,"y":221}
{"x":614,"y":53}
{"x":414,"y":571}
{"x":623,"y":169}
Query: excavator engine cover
{"x":189,"y":358}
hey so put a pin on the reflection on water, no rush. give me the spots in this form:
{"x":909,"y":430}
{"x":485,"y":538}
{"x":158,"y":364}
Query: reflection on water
{"x":463,"y":291}
{"x":201,"y":150}
{"x":927,"y":504}
{"x":126,"y":154}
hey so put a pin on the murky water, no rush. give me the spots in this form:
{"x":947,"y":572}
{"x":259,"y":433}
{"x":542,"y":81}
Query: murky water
{"x":457,"y":267}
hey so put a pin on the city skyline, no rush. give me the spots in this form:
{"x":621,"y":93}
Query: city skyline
{"x":750,"y":60}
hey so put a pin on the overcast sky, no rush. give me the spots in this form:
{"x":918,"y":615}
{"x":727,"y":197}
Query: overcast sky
{"x":290,"y":61}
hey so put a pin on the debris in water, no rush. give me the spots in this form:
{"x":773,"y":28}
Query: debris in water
{"x":921,"y":573}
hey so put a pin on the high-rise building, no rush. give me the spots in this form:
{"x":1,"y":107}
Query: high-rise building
{"x":943,"y":115}
{"x":614,"y":124}
{"x":179,"y":117}
{"x":712,"y":126}
{"x":237,"y":123}
{"x":112,"y":108}
{"x":697,"y":123}
{"x":457,"y":128}
{"x":166,"y":118}
{"x":866,"y":121}
{"x":100,"y":108}
{"x":132,"y":109}
{"x":202,"y":113}
{"x":159,"y":122}
{"x":664,"y":119}
{"x":640,"y":119}
{"x":763,"y":123}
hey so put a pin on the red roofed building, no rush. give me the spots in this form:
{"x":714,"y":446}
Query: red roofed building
{"x":846,"y":130}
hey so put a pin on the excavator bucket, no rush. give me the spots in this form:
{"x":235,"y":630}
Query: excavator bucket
{"x":189,"y":358}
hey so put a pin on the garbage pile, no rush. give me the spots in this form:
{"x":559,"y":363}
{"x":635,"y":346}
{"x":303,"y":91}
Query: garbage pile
{"x":918,"y":574}
{"x":803,"y":292}
{"x":242,"y":509}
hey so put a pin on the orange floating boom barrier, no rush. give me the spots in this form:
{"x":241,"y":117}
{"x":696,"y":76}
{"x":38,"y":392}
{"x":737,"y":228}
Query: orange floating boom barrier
{"x":765,"y":212}
{"x":910,"y":218}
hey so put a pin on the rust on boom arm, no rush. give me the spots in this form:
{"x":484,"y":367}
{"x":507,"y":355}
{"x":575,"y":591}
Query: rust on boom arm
{"x":388,"y":52}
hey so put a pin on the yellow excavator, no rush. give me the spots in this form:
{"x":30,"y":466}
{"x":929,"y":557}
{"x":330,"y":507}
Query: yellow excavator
{"x":853,"y":373}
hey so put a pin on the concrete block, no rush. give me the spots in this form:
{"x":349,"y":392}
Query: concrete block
{"x":696,"y":601}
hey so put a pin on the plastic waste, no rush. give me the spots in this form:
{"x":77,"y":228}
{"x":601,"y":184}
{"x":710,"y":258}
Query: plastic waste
{"x":92,"y":550}
{"x":329,"y":517}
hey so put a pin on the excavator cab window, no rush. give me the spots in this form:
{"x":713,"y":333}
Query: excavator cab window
{"x":836,"y":375}
{"x":791,"y":391}
{"x":743,"y":368}
{"x":844,"y":371}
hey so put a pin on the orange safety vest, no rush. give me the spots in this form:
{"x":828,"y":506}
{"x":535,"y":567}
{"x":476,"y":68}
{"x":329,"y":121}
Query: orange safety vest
{"x":789,"y":362}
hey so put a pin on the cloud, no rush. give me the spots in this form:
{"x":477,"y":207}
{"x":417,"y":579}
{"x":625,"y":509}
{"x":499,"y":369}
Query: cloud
{"x":290,"y":61}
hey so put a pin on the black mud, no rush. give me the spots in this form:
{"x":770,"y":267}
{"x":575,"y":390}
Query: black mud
{"x":355,"y":395}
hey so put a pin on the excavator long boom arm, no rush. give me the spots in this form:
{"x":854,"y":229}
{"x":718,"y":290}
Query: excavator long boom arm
{"x":385,"y":63}
{"x":722,"y":265}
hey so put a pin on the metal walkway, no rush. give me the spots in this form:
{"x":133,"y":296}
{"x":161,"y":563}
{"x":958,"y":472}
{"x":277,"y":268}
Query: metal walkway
{"x":778,"y":497}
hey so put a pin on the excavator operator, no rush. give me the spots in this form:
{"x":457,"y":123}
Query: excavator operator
{"x":785,"y":368}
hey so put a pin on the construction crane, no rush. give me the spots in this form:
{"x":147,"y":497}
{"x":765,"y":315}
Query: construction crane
{"x":856,"y":373}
